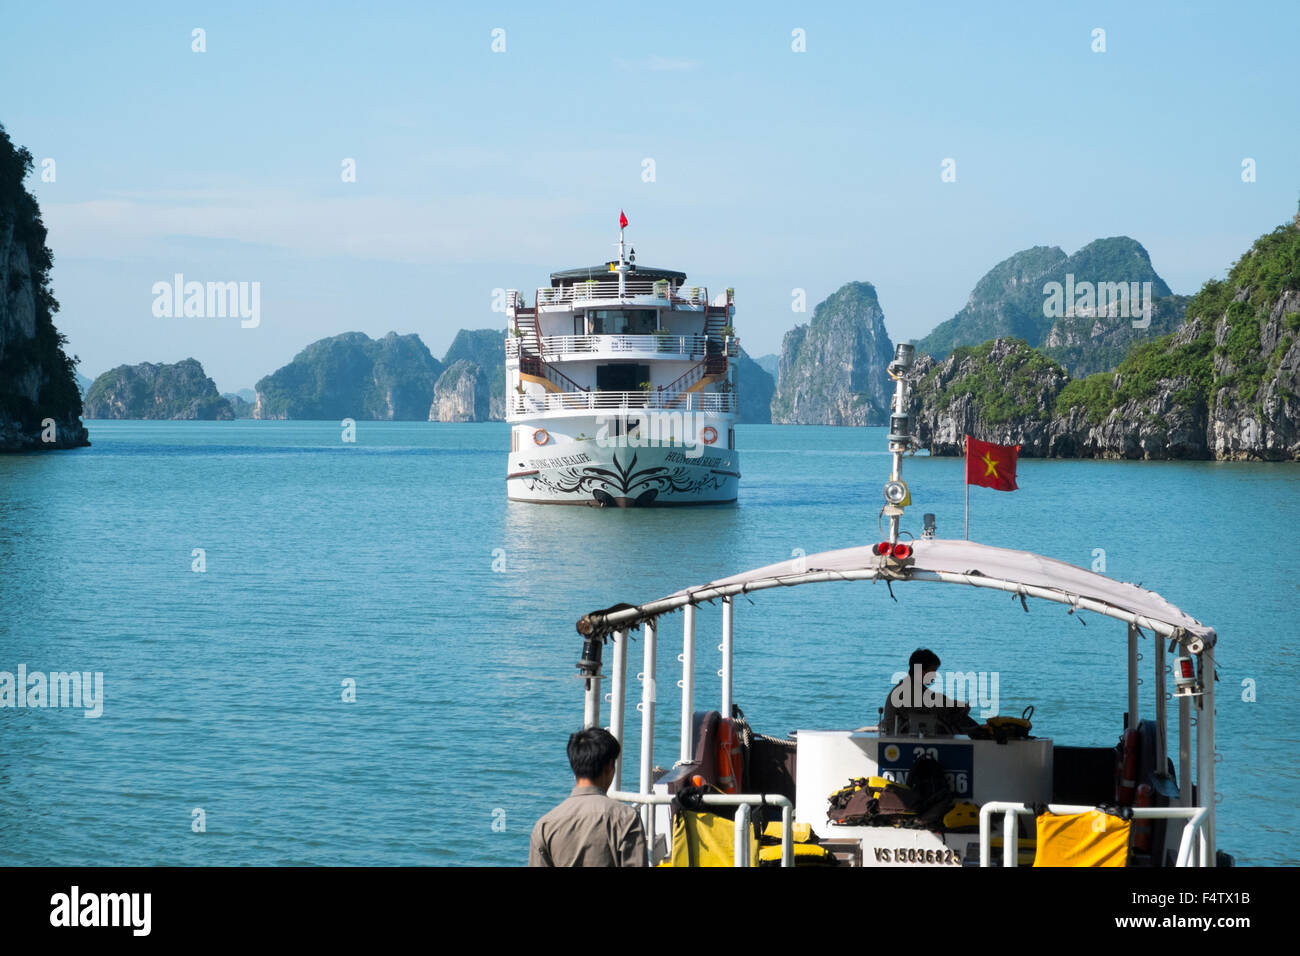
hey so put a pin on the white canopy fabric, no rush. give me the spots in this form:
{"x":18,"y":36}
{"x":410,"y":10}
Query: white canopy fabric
{"x":972,"y":558}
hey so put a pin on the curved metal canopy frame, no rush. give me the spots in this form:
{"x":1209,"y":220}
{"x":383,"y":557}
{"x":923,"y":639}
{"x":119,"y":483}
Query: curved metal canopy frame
{"x":950,"y":562}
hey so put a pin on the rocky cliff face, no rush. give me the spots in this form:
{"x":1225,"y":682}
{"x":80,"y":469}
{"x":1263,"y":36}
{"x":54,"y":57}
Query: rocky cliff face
{"x":1223,"y":386}
{"x":1012,"y":301}
{"x":832,"y":371}
{"x":755,"y":386}
{"x":1087,"y":344}
{"x":40,"y":402}
{"x":1256,"y":415}
{"x":146,"y":391}
{"x":485,"y":348}
{"x":1002,"y":391}
{"x":241,"y":406}
{"x":462,"y":394}
{"x":353,"y":376}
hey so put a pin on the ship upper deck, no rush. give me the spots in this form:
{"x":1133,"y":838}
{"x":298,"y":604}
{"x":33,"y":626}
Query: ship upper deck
{"x":658,"y":293}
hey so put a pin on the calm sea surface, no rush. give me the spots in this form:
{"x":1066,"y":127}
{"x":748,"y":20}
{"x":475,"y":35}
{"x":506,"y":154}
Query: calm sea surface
{"x":396,"y":563}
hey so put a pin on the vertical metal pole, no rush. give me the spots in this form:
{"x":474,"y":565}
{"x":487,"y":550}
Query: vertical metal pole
{"x":967,"y":532}
{"x":1205,"y":755}
{"x":1010,"y":840}
{"x":648,"y":728}
{"x":591,"y":703}
{"x":725,"y":673}
{"x":1184,"y":751}
{"x":1132,"y":677}
{"x":742,"y":836}
{"x":1162,"y":715}
{"x":787,"y":836}
{"x":966,"y":481}
{"x":688,"y":681}
{"x":618,"y":690}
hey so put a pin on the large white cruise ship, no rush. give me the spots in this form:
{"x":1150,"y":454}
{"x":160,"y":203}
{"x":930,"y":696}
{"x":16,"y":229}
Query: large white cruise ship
{"x":620,"y":389}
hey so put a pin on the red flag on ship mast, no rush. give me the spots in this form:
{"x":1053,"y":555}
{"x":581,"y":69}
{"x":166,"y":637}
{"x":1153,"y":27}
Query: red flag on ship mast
{"x":989,"y":466}
{"x":622,"y":220}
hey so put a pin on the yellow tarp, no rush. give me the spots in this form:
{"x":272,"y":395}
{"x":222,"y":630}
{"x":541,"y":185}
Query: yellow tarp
{"x":1082,"y":839}
{"x":804,"y":853}
{"x":706,"y":839}
{"x":799,"y":832}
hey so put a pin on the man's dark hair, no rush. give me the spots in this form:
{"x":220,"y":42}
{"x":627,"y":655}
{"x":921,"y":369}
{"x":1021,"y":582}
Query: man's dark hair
{"x":591,"y":751}
{"x":927,"y":658}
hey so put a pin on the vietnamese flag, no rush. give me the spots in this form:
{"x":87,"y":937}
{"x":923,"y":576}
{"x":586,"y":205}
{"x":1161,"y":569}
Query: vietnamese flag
{"x":622,"y":220}
{"x":990,"y":465}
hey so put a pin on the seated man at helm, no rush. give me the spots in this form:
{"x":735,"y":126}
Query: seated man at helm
{"x":913,"y":708}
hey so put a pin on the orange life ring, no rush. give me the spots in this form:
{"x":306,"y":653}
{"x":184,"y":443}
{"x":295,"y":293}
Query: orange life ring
{"x":1126,"y":766}
{"x":710,"y":434}
{"x":541,"y":437}
{"x":729,"y":758}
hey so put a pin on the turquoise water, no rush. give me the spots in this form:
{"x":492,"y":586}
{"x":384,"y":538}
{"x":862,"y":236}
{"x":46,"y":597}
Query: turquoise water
{"x":397,"y":563}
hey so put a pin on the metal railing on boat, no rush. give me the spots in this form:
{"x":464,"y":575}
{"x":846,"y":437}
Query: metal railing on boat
{"x":588,"y":401}
{"x":592,"y":346}
{"x":596,"y":289}
{"x":743,"y":802}
{"x":1191,"y":848}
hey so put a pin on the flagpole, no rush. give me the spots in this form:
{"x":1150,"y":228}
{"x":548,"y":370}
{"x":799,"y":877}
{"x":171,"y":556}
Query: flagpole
{"x":966,"y":479}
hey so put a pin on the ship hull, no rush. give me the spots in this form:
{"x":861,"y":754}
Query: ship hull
{"x":628,"y":476}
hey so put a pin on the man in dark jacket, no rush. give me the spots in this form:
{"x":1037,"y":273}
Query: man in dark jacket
{"x":912,"y":707}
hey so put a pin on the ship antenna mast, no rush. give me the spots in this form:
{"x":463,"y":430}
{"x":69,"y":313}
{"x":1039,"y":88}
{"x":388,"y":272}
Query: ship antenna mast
{"x":897,"y":497}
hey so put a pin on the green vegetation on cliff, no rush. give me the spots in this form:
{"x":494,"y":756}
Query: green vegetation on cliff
{"x":353,"y":376}
{"x":486,"y":349}
{"x":832,"y":370}
{"x":181,"y":391}
{"x":1254,"y":285}
{"x":37,"y":376}
{"x":1010,"y":301}
{"x":1004,"y":389}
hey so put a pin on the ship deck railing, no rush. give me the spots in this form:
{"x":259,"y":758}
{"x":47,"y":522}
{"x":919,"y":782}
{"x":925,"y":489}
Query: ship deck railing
{"x":662,"y":344}
{"x":605,"y":401}
{"x":1192,"y":849}
{"x":744,"y":804}
{"x":596,"y":290}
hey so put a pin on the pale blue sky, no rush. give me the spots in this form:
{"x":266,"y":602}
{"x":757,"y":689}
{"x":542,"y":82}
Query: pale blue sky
{"x":775,"y":170}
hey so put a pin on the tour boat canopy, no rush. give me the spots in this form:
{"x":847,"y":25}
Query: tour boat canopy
{"x":956,"y":562}
{"x":602,"y":271}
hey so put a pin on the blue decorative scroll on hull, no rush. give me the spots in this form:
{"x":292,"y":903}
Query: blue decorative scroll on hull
{"x":583,"y":473}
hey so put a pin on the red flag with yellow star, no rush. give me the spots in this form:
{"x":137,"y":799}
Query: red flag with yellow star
{"x":990,"y":465}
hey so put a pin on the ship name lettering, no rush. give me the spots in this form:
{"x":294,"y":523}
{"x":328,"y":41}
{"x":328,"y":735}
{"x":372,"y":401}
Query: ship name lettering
{"x":560,"y":462}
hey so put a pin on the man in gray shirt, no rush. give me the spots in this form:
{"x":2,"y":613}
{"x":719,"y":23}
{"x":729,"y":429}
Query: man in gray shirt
{"x":590,"y":829}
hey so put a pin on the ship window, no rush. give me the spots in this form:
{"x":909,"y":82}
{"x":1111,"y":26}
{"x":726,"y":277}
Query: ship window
{"x":621,"y":378}
{"x":731,"y":439}
{"x":623,"y":321}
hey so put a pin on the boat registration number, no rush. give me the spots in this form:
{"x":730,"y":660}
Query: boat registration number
{"x":958,"y":761}
{"x":915,"y":855}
